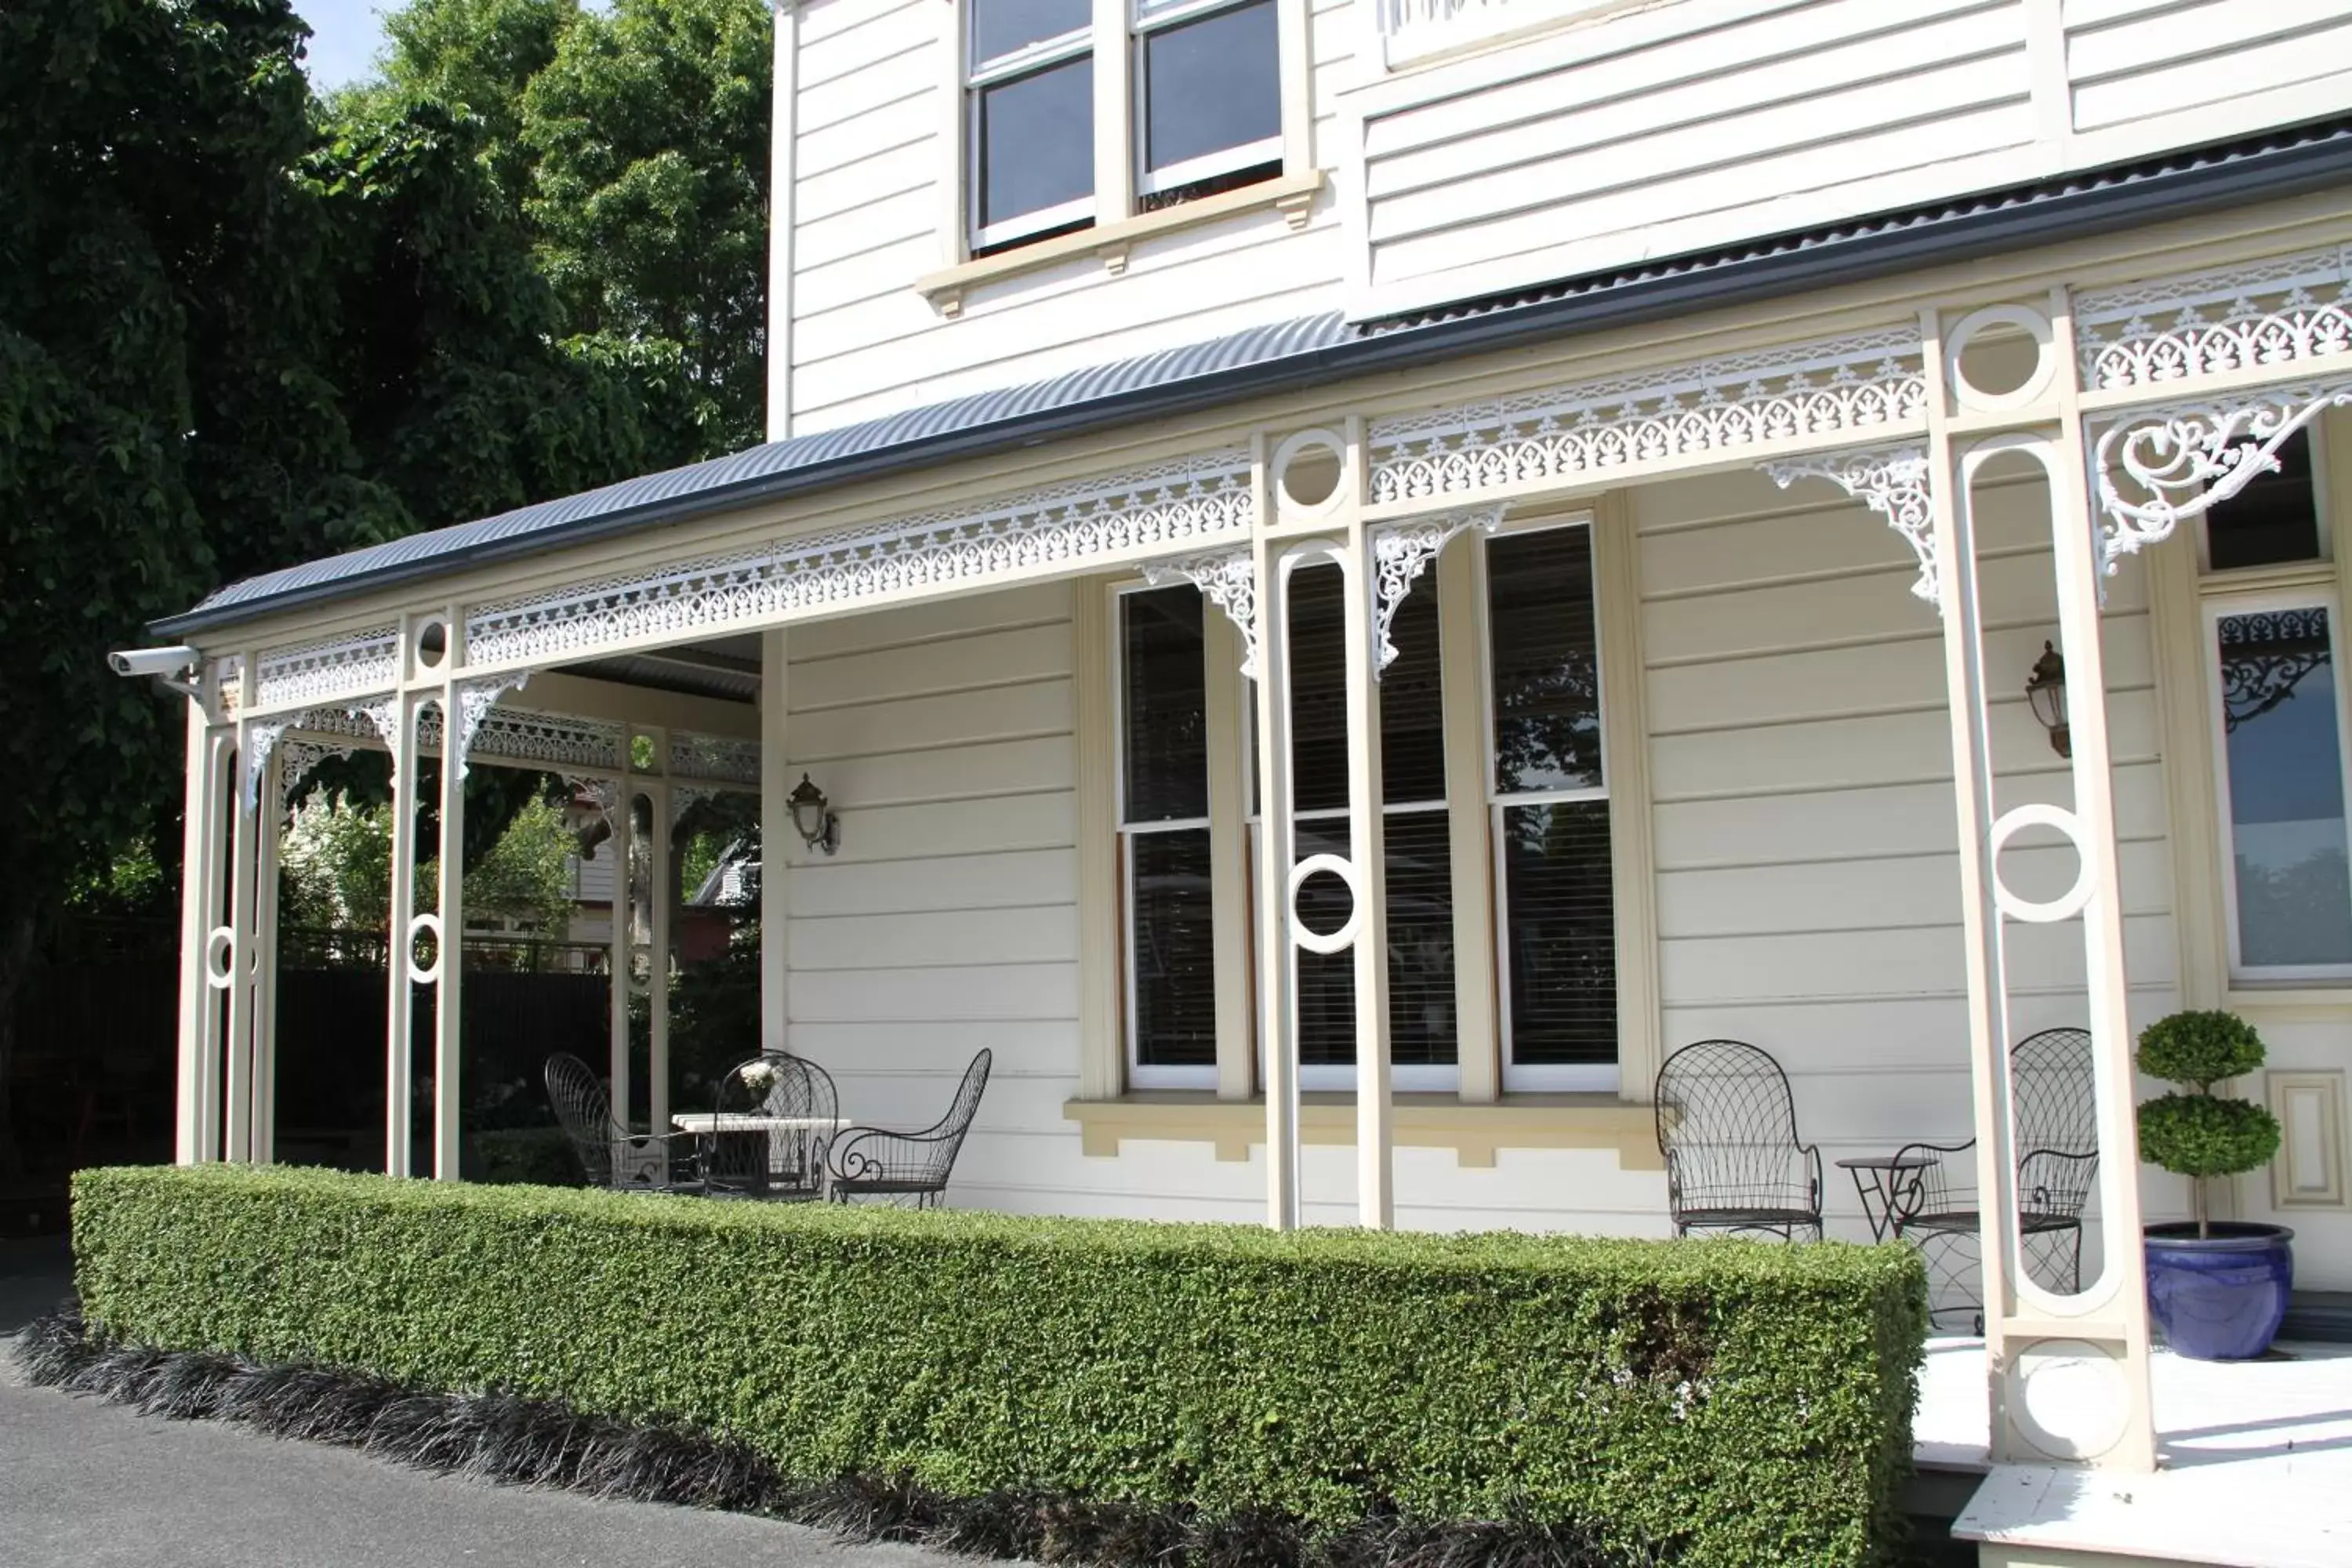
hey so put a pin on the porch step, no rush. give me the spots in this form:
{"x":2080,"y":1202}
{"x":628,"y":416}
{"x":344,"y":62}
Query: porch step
{"x":2324,"y":1316}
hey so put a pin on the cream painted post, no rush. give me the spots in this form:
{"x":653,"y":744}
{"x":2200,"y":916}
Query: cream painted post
{"x":1367,"y":850}
{"x":1460,"y":635}
{"x":2090,"y":1349}
{"x":1114,"y":140}
{"x":1625,"y":768}
{"x":400,"y":939}
{"x":1223,"y":708}
{"x":449,"y":944}
{"x":775,"y":828}
{"x":659,"y":895}
{"x":244,"y":862}
{"x":194,"y":1136}
{"x":623,"y":961}
{"x":272,"y":820}
{"x":1277,"y":958}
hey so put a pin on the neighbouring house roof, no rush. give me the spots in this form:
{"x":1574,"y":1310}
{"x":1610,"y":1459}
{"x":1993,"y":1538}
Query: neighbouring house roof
{"x":1319,"y":349}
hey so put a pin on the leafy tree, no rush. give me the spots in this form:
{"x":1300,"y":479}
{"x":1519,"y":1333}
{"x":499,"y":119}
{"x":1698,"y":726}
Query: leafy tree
{"x":337,"y":862}
{"x":478,"y":55}
{"x":651,"y":132}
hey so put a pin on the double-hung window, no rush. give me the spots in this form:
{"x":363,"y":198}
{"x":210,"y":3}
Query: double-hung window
{"x":1030,"y":100}
{"x":2273,"y":633}
{"x":1188,"y":103}
{"x":1543,"y":901}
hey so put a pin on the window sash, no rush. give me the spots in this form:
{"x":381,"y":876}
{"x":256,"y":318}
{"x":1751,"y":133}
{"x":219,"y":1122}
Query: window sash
{"x":2217,"y":608}
{"x":1149,"y":18}
{"x":1517,"y":1075}
{"x":1036,"y":220}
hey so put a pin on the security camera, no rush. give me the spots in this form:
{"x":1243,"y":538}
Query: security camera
{"x":162,"y":662}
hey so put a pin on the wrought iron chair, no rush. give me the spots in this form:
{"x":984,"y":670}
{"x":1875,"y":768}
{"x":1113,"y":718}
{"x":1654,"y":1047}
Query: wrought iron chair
{"x":2054,"y":1110}
{"x":1728,"y":1127}
{"x":910,"y":1168}
{"x":610,"y":1154}
{"x":779,"y":1164}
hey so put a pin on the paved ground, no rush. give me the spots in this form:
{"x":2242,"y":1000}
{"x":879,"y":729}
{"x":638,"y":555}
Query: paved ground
{"x":88,"y":1486}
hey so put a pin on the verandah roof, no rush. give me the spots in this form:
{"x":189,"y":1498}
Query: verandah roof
{"x":1317,"y":349}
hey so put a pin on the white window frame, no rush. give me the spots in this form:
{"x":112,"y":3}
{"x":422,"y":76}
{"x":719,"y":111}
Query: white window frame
{"x":1590,"y":1077}
{"x":2214,"y":608}
{"x":977,"y":75}
{"x":1145,"y":19}
{"x":1140,"y":1074}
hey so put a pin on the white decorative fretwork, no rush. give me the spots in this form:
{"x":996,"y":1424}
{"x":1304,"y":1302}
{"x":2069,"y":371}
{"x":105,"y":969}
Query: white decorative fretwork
{"x":260,"y":739}
{"x":1229,"y":581}
{"x":1196,"y":500}
{"x":2285,"y":310}
{"x":295,"y":758}
{"x":2187,"y":459}
{"x":474,"y":700}
{"x":1891,"y":481}
{"x":684,"y":798}
{"x":1401,"y":552}
{"x":519,"y":735}
{"x":336,"y":666}
{"x":1873,"y":383}
{"x":720,"y":759}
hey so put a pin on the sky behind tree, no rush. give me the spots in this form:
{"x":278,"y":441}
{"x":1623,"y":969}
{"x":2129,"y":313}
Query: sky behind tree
{"x":344,"y":38}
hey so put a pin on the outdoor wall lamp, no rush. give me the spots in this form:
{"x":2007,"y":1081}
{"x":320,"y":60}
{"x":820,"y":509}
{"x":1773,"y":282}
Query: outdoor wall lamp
{"x":2046,"y":690}
{"x":812,"y":818}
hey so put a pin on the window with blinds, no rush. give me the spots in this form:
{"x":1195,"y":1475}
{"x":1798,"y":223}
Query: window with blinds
{"x":1164,"y":839}
{"x":1422,"y":1042}
{"x":1555,"y":916}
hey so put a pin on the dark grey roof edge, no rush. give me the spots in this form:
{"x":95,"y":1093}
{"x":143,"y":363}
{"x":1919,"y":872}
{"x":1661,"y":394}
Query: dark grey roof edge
{"x":2247,"y":170}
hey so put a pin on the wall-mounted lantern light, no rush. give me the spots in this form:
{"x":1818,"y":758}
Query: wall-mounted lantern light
{"x":2046,"y":690}
{"x":819,"y":828}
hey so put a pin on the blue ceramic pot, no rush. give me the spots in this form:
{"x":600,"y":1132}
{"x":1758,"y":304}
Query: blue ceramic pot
{"x":2220,"y":1298}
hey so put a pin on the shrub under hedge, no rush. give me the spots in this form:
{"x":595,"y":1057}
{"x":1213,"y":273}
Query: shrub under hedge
{"x":1698,"y":1402}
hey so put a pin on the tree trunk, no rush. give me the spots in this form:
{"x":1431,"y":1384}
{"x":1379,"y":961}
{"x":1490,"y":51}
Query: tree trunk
{"x":2197,"y":1197}
{"x":16,"y":957}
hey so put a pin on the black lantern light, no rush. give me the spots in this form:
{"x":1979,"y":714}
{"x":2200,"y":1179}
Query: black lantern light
{"x":2047,"y":692}
{"x":819,"y":828}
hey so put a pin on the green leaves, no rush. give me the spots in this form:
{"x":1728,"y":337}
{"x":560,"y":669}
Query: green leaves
{"x":1704,"y":1403}
{"x":2200,"y":1048}
{"x":2202,"y":1135}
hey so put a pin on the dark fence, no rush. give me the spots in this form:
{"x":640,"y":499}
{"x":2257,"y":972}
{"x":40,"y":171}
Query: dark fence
{"x":97,"y":1022}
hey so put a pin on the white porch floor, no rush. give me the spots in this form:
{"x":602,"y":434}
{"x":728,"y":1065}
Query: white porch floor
{"x":2257,"y":1465}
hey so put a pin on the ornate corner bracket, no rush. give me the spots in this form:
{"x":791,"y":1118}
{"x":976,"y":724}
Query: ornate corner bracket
{"x":295,"y":758}
{"x":260,"y":740}
{"x":1891,"y":481}
{"x":2189,"y":459}
{"x":474,"y":700}
{"x":1229,"y":581}
{"x":1401,"y":552}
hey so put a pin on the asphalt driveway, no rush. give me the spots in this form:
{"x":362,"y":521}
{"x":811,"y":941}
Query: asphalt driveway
{"x":90,"y":1485}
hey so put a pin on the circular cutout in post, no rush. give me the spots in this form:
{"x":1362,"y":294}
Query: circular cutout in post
{"x":423,"y":927}
{"x":2066,"y":905}
{"x":220,"y":961}
{"x":2073,"y":1400}
{"x":1310,"y":471}
{"x":1306,"y":936}
{"x":2000,"y":358}
{"x":432,"y":644}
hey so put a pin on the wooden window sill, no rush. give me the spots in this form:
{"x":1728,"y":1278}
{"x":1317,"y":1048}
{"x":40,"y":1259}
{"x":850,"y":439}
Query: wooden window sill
{"x":1473,"y":1132}
{"x":1291,"y":195}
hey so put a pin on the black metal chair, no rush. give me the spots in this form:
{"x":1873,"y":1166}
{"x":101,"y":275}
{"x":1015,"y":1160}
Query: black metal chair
{"x":910,"y":1168}
{"x":610,"y":1154}
{"x":1728,"y":1127}
{"x":2054,"y":1109}
{"x":780,"y":1164}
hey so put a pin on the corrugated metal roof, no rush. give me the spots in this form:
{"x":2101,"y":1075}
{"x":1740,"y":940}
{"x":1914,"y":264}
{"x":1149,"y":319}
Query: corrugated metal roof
{"x":1325,"y":347}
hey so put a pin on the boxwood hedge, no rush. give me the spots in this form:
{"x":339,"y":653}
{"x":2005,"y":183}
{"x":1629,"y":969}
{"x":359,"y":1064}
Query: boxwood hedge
{"x":1700,"y":1402}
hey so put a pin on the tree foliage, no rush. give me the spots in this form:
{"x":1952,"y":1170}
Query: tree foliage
{"x":240,"y":328}
{"x":2194,"y":1132}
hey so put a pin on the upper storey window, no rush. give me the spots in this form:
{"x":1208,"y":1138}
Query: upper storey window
{"x":1032,"y":97}
{"x":1079,"y":112}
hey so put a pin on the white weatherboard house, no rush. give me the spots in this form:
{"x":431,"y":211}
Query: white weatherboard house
{"x":1590,"y":483}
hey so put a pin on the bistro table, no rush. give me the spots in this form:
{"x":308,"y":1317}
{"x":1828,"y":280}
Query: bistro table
{"x":1875,"y":1178}
{"x":712,"y":1124}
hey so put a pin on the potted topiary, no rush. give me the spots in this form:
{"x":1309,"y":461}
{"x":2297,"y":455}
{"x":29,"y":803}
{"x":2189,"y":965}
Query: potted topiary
{"x":2216,"y":1289}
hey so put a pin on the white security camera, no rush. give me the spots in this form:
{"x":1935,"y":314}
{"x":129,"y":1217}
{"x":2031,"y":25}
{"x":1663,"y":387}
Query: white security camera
{"x":166,"y":663}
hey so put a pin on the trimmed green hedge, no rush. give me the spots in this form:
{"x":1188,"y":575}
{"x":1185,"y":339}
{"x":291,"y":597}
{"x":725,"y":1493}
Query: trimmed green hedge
{"x":1702,"y":1402}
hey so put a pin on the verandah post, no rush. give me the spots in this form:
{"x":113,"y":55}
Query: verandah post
{"x":1367,"y":848}
{"x":195,"y":1135}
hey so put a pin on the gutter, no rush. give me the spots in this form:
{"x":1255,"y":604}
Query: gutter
{"x":2091,"y":204}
